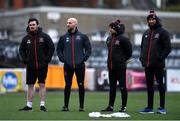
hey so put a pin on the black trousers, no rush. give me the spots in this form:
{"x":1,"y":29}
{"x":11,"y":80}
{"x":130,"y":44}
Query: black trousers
{"x":114,"y":76}
{"x":68,"y":74}
{"x":158,"y":73}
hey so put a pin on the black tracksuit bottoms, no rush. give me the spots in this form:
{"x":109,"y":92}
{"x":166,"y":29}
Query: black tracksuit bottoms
{"x":114,"y":76}
{"x":158,"y":73}
{"x":68,"y":75}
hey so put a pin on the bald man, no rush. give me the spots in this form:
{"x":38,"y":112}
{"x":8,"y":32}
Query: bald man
{"x":73,"y":50}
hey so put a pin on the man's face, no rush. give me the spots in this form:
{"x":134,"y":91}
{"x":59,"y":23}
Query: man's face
{"x":112,"y":31}
{"x":33,"y":26}
{"x":151,"y":21}
{"x":71,"y":24}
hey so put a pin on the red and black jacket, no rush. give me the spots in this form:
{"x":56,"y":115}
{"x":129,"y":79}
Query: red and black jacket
{"x":74,"y":49}
{"x":155,"y":47}
{"x":36,"y":49}
{"x":119,"y":51}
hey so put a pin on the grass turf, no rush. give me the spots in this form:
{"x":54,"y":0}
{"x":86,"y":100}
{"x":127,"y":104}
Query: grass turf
{"x":94,"y":102}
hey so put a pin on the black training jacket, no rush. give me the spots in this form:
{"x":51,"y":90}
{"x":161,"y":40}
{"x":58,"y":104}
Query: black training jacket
{"x":119,"y":51}
{"x":36,"y":49}
{"x":73,"y":48}
{"x":155,"y":47}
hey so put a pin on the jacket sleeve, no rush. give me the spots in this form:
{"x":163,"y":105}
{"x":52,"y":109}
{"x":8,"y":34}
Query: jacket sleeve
{"x":87,"y":46}
{"x":165,"y":38}
{"x":60,"y":50}
{"x":127,"y":48}
{"x":23,"y":50}
{"x":108,"y":41}
{"x":51,"y":48}
{"x":141,"y":47}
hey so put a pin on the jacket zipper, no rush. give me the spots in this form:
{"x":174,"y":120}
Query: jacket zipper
{"x":111,"y":53}
{"x":35,"y":53}
{"x":149,"y":48}
{"x":73,"y":50}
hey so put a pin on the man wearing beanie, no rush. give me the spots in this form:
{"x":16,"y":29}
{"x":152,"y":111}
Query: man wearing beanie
{"x":155,"y":47}
{"x":119,"y":51}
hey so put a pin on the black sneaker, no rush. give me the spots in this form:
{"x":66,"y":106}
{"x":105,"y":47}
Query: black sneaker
{"x":123,"y":109}
{"x":108,"y":109}
{"x":42,"y":108}
{"x":26,"y":108}
{"x":81,"y":109}
{"x":64,"y":108}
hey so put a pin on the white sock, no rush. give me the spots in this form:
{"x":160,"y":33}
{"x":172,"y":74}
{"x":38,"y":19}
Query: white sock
{"x":42,"y":103}
{"x":29,"y":104}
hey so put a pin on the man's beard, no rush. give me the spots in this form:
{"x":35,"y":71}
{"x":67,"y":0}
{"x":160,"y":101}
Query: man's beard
{"x":151,"y":25}
{"x":32,"y":29}
{"x":70,"y":29}
{"x":33,"y":32}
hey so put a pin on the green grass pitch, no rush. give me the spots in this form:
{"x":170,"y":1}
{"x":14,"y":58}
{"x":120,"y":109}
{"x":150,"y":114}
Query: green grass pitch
{"x":94,"y":102}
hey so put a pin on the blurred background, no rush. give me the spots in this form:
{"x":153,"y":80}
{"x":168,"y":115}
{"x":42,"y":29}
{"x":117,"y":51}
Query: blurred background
{"x":94,"y":17}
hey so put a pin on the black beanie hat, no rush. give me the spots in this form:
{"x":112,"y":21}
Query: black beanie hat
{"x":117,"y":26}
{"x":152,"y":14}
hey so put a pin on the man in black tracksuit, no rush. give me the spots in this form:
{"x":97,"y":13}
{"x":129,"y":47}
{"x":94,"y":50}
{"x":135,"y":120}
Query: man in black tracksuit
{"x":119,"y":51}
{"x":155,"y":48}
{"x":73,"y":50}
{"x":36,"y":50}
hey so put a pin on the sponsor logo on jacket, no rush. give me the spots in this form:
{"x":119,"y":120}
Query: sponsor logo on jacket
{"x":67,"y":39}
{"x":28,"y":41}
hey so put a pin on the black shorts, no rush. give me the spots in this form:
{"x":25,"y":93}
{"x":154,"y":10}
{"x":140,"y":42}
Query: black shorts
{"x":34,"y":74}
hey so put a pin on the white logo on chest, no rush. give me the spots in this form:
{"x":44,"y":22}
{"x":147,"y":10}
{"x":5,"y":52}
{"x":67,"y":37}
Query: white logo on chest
{"x":29,"y":42}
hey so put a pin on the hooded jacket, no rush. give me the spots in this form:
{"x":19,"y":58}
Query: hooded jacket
{"x":73,"y":49}
{"x":119,"y":50}
{"x":36,"y":49}
{"x":155,"y":46}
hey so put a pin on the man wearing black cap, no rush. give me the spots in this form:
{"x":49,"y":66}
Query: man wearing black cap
{"x":119,"y":51}
{"x":155,"y":47}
